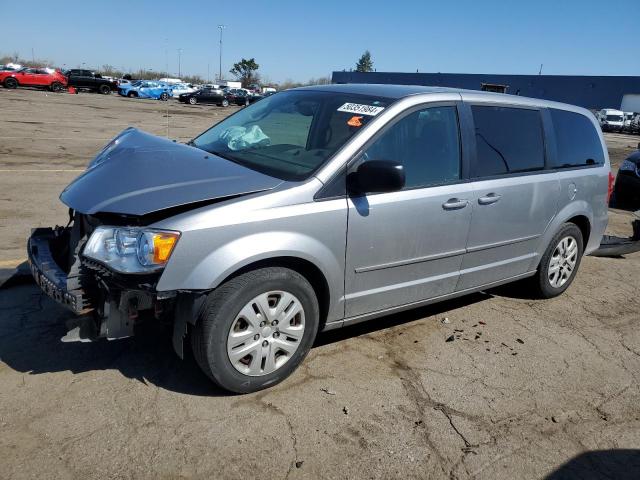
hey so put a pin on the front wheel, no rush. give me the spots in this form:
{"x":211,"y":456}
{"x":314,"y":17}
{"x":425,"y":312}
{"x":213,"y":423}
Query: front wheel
{"x":256,"y":329}
{"x":560,"y":262}
{"x":225,"y":103}
{"x":56,"y":87}
{"x":164,"y":96}
{"x":105,"y":89}
{"x":193,"y":100}
{"x":132,"y":94}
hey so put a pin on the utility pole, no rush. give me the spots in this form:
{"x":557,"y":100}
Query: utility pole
{"x":33,"y":56}
{"x":221,"y":27}
{"x":166,"y":57}
{"x":179,"y":55}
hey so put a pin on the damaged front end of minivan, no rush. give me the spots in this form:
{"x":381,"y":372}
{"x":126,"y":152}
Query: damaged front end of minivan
{"x":106,"y":263}
{"x":106,"y":274}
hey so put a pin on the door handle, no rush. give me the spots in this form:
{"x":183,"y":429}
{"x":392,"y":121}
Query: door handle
{"x":455,"y":204}
{"x":489,"y":199}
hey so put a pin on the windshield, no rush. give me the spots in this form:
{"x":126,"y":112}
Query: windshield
{"x":614,"y":118}
{"x":291,"y":134}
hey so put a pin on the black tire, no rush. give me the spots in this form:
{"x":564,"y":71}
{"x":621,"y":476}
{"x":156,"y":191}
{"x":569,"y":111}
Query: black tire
{"x":209,"y":337}
{"x":164,"y":96}
{"x":225,"y":103}
{"x":132,"y":94}
{"x":11,"y":83}
{"x":193,"y":100}
{"x":246,"y":102}
{"x":541,"y":283}
{"x":104,"y":89}
{"x":56,"y":87}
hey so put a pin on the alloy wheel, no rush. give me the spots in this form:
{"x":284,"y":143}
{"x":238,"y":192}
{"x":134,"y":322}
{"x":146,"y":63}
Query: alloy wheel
{"x":563,"y":262}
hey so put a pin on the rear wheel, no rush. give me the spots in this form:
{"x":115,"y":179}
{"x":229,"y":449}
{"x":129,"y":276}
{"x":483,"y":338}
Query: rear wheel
{"x":193,"y":100}
{"x":246,"y":102}
{"x":164,"y":96}
{"x":560,"y":262}
{"x":56,"y":87}
{"x":225,"y":103}
{"x":104,"y":89}
{"x":256,"y":329}
{"x":11,"y":83}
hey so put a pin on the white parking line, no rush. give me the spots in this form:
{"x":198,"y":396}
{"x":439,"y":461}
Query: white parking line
{"x":41,"y":170}
{"x":11,"y":263}
{"x":57,"y":138}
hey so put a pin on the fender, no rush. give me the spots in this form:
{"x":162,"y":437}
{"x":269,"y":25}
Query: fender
{"x":232,"y":256}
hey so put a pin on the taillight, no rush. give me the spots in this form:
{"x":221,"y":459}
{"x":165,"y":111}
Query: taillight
{"x":612,"y":179}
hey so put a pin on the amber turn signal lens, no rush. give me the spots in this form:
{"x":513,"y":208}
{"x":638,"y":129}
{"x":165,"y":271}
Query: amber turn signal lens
{"x":163,"y":244}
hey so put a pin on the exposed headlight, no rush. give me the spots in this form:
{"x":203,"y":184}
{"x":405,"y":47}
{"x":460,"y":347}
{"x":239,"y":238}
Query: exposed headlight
{"x":629,"y":166}
{"x":131,"y":249}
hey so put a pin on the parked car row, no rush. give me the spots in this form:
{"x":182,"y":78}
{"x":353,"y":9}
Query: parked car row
{"x":13,"y":76}
{"x":612,"y":120}
{"x":220,"y":97}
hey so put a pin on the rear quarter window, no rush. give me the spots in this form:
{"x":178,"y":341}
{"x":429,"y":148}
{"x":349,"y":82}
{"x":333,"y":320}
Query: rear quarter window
{"x":577,"y":140}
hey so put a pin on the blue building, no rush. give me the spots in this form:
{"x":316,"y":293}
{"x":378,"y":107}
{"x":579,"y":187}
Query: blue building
{"x":592,"y":92}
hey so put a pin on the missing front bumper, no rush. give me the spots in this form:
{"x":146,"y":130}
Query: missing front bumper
{"x":108,"y":305}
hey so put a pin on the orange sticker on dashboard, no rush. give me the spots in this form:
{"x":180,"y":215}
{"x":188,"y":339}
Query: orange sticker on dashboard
{"x":355,"y":121}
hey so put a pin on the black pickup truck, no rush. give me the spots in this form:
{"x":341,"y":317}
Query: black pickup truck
{"x":88,"y":80}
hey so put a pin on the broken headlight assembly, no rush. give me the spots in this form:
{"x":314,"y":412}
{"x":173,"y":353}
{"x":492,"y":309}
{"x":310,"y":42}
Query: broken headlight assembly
{"x":131,"y":249}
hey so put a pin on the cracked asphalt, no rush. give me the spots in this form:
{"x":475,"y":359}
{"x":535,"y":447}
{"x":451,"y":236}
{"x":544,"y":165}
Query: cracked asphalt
{"x":522,"y":389}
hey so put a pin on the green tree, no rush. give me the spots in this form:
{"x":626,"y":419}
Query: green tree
{"x":246,"y":71}
{"x":365,"y":64}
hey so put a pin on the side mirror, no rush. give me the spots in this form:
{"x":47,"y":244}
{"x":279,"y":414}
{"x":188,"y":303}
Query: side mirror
{"x":377,"y":176}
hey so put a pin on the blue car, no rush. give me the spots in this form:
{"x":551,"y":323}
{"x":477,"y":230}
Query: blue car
{"x":146,"y":89}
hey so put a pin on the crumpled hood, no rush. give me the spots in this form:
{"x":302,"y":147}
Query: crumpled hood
{"x":139,"y":173}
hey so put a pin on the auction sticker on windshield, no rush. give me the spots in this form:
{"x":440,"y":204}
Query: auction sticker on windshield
{"x":361,"y":109}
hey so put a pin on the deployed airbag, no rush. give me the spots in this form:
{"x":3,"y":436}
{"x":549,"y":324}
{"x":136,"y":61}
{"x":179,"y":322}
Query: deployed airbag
{"x":239,"y":138}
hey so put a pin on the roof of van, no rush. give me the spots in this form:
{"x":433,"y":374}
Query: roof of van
{"x":381,"y":89}
{"x":401,"y":91}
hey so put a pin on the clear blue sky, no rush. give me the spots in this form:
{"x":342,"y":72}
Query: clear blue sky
{"x":302,"y":39}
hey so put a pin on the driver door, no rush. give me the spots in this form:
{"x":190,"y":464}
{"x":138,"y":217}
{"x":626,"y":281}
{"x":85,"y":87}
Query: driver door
{"x":407,"y":246}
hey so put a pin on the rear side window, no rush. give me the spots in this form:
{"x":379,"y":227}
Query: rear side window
{"x":508,"y":140}
{"x":577,"y":140}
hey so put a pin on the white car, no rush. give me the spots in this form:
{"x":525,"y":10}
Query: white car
{"x":611,"y":120}
{"x":180,"y":88}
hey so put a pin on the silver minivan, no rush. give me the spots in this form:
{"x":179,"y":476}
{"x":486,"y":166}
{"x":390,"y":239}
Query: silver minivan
{"x":321,"y":207}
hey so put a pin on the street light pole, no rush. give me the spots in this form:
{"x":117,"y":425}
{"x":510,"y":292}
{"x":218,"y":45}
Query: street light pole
{"x":179,"y":70}
{"x":221,"y":27}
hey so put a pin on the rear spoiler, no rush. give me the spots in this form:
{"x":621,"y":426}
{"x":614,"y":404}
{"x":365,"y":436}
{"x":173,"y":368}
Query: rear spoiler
{"x":612,"y":246}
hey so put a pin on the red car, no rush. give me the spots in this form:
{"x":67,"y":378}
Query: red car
{"x":34,"y":77}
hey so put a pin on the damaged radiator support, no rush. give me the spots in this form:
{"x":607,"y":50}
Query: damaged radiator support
{"x":114,"y":320}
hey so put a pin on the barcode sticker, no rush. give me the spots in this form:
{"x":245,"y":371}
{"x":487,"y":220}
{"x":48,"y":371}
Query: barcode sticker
{"x":361,"y":109}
